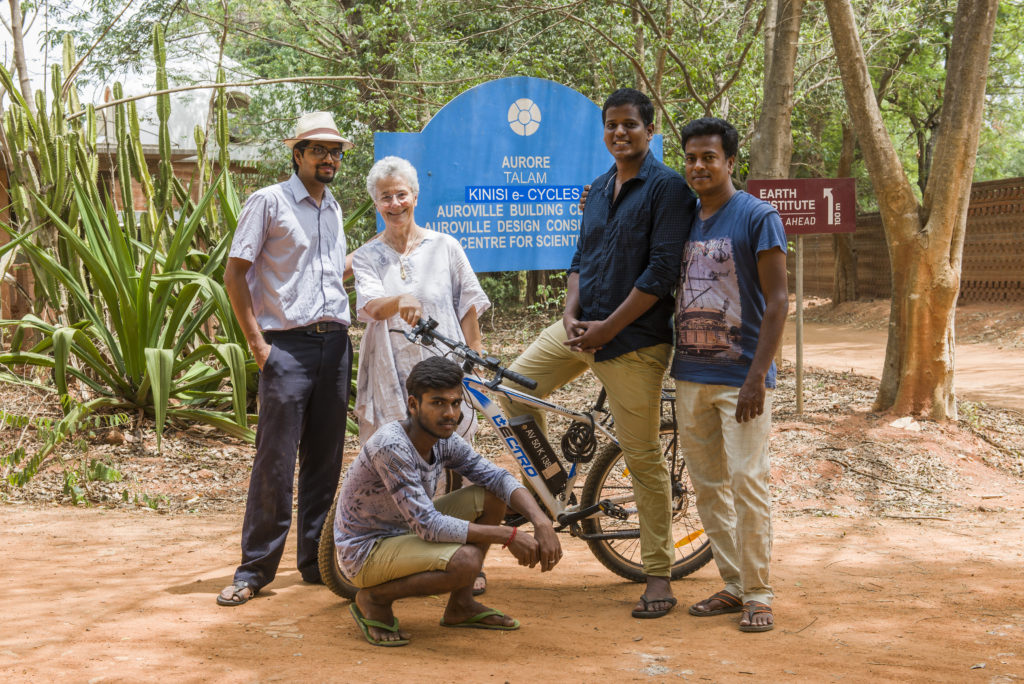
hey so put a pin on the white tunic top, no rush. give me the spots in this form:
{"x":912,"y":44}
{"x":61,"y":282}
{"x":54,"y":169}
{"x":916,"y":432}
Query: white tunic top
{"x":439,"y":275}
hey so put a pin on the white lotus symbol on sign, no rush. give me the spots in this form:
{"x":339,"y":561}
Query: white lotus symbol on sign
{"x":524,"y":116}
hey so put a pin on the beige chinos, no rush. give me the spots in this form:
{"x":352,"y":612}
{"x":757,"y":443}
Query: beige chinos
{"x":729,"y":468}
{"x":633,"y":381}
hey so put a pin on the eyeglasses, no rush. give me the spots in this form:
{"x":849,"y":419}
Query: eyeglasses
{"x":321,"y":152}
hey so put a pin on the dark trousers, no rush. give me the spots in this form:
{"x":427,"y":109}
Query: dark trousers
{"x":303,"y":392}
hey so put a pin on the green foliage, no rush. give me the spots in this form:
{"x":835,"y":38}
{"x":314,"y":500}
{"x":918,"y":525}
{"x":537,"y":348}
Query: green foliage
{"x":144,"y":334}
{"x":134,"y":316}
{"x":970,"y":414}
{"x":503,"y":289}
{"x":1001,"y":149}
{"x":17,"y":468}
{"x":550,"y":295}
{"x":906,"y":46}
{"x":71,"y":488}
{"x":152,"y":501}
{"x":96,"y":471}
{"x":694,"y":58}
{"x":102,"y":472}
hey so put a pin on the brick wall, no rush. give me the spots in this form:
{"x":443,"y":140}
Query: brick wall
{"x":993,"y":259}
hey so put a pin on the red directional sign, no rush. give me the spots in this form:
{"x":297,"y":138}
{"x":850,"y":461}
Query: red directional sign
{"x":810,"y":205}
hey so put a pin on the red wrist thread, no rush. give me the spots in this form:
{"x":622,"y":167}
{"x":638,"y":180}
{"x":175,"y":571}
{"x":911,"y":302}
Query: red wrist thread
{"x":510,"y":537}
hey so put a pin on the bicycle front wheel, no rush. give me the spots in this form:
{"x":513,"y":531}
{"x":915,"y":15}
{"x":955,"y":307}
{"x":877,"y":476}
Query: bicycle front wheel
{"x":617,"y":542}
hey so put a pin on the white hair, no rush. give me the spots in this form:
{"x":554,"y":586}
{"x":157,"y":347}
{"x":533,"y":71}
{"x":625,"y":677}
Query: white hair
{"x":389,"y":167}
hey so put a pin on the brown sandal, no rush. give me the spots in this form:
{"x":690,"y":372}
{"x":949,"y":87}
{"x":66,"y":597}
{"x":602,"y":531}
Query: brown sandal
{"x":732,"y":604}
{"x":752,"y":608}
{"x":238,"y":593}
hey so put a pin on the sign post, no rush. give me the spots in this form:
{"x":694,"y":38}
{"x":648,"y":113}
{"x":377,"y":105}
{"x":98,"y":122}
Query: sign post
{"x":806,"y":206}
{"x":502,"y":167}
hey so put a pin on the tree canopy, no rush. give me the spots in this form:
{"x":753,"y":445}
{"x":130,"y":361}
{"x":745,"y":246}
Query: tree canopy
{"x":694,"y":59}
{"x":390,"y":65}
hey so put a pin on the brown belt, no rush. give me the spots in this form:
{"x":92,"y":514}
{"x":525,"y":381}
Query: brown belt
{"x":320,"y":327}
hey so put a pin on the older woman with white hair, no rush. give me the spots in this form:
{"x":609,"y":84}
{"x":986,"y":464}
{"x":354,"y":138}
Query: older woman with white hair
{"x":406,"y":273}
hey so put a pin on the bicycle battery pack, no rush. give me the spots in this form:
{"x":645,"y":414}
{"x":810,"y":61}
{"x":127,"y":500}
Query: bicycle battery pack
{"x":540,"y":453}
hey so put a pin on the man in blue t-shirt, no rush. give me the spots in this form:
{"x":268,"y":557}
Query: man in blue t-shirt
{"x":731,"y":306}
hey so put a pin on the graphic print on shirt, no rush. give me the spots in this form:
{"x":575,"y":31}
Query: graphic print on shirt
{"x":708,"y":321}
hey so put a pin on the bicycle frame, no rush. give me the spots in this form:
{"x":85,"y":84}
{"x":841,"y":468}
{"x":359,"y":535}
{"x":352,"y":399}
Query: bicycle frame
{"x":475,"y":388}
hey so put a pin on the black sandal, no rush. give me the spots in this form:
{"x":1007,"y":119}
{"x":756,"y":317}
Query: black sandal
{"x":478,"y":592}
{"x":648,"y":613}
{"x":730,"y":604}
{"x":752,"y":608}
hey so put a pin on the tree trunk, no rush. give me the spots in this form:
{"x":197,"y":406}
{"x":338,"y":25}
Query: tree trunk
{"x":638,"y":47}
{"x":771,"y":18}
{"x":659,"y":63}
{"x":771,"y":147}
{"x":534,"y":281}
{"x":844,"y":281}
{"x":20,"y":64}
{"x":925,"y":241}
{"x":6,"y":261}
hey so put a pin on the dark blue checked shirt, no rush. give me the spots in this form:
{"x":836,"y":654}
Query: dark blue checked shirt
{"x":635,"y":241}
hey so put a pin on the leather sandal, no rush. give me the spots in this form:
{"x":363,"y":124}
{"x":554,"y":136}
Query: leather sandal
{"x":236,"y":597}
{"x":648,"y":613}
{"x":752,"y":608}
{"x":731,"y":604}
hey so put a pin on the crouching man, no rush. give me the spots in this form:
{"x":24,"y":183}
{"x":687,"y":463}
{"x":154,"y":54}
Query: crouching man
{"x":394,"y":540}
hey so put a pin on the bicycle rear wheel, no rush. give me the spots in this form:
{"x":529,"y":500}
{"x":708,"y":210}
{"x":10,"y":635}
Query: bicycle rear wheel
{"x":620,"y":551}
{"x":327,"y":558}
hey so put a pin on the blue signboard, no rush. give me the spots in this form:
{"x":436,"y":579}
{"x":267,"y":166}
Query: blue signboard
{"x":501,"y":169}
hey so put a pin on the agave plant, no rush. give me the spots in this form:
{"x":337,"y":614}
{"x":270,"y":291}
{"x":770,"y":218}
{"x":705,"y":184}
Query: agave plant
{"x":142,"y":342}
{"x":132,"y":316}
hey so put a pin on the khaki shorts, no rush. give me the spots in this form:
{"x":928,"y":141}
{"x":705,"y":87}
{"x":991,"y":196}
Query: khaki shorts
{"x":408,"y":554}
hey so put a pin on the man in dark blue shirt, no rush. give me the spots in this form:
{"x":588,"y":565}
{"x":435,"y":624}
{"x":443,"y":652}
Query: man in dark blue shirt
{"x":618,"y":308}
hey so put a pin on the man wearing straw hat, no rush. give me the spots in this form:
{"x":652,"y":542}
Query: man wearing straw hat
{"x":284,"y":278}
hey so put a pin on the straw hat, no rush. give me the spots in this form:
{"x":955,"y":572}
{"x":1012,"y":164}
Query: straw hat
{"x":317,"y":126}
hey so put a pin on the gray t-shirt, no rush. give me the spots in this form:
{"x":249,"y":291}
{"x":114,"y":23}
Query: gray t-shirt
{"x":388,"y":492}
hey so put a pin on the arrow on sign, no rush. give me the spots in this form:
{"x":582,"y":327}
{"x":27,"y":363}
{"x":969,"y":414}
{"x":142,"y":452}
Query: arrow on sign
{"x":831,"y":202}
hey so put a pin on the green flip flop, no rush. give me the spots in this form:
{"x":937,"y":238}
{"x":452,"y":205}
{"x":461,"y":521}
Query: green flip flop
{"x":477,"y":622}
{"x":365,"y":623}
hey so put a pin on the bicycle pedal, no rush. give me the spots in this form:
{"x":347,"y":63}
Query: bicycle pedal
{"x":614,"y":510}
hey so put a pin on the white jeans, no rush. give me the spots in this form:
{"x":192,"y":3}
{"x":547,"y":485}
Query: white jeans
{"x":729,"y":468}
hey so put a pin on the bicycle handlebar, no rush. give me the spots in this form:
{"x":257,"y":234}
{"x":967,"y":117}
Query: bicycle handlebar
{"x":528,"y":383}
{"x":425,"y":331}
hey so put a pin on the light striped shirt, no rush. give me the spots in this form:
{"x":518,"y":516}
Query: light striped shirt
{"x":297,"y":250}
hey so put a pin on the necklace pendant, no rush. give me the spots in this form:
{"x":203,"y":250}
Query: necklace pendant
{"x":402,"y":272}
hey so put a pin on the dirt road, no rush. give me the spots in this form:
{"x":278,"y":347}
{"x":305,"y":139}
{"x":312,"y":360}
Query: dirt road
{"x":991,"y":373}
{"x":104,"y":596}
{"x":989,"y":358}
{"x":897,"y":557}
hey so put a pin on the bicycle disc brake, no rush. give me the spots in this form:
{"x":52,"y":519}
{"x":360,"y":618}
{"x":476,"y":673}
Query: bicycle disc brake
{"x":579,"y":444}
